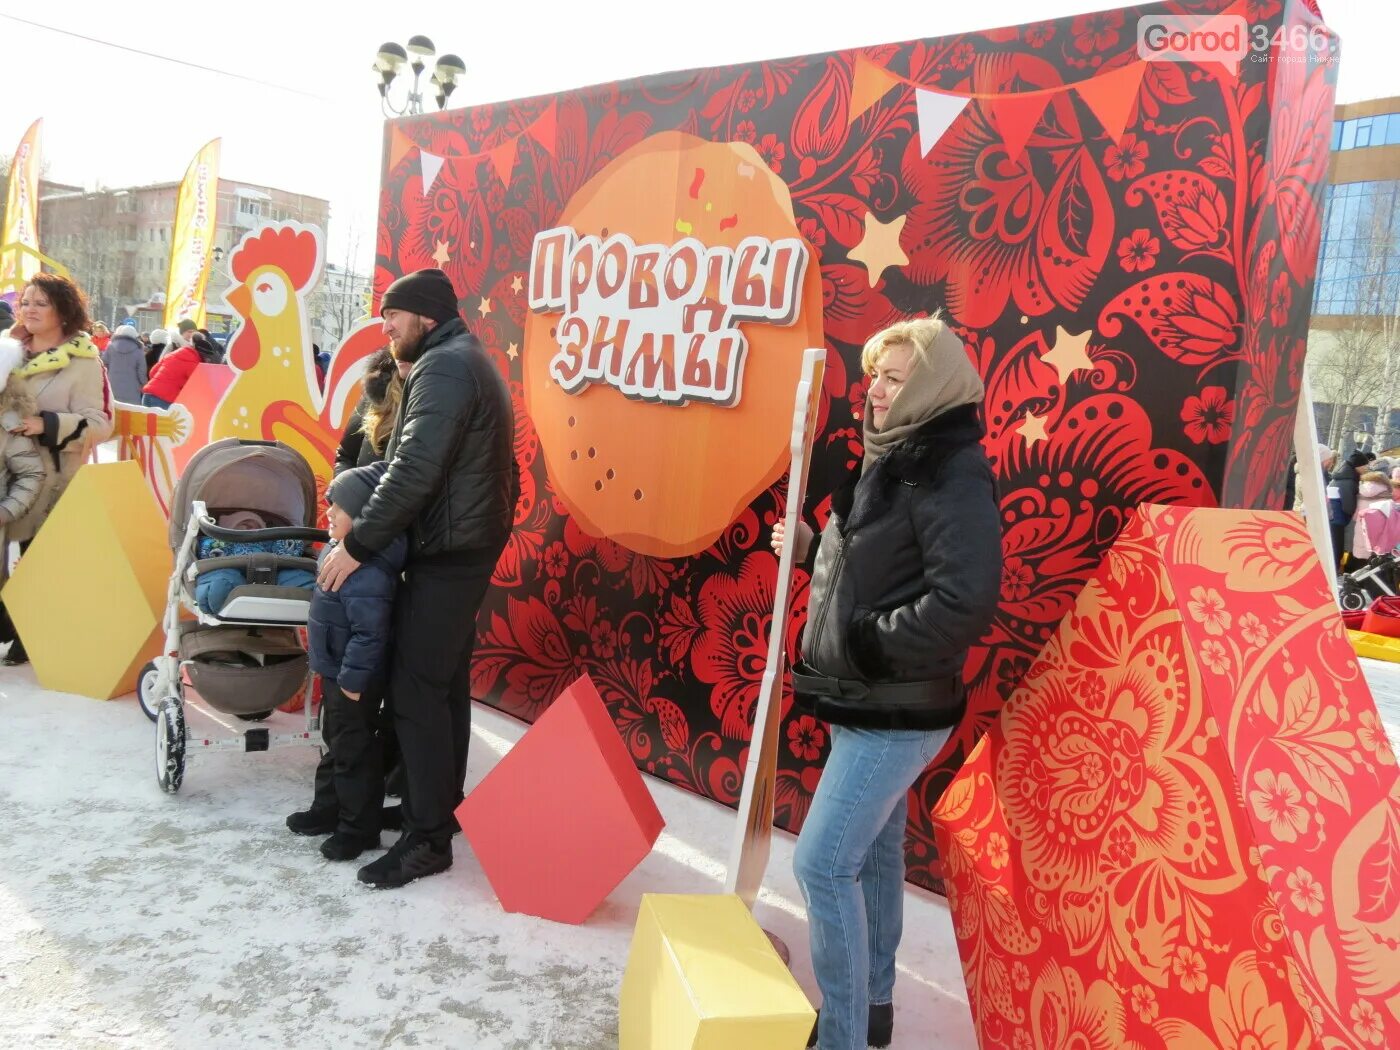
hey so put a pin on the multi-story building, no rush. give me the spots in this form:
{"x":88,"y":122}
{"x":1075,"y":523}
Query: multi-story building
{"x":1354,"y":337}
{"x":344,"y":300}
{"x":116,"y":242}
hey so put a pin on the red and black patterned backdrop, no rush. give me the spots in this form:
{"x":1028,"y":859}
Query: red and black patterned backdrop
{"x":1126,"y":246}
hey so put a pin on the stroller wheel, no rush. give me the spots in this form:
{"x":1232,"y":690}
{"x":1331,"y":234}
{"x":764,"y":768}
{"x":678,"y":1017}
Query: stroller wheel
{"x":1353,"y":599}
{"x":146,"y":690}
{"x":256,"y":716}
{"x":170,"y":745}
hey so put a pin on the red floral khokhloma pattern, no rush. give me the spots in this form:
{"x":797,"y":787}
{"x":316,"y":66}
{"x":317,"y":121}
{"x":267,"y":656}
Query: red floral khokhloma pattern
{"x":1135,"y":298}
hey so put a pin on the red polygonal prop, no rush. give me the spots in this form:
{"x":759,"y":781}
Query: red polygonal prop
{"x":565,"y":816}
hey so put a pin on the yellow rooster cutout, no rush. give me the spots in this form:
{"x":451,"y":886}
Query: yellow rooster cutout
{"x":274,"y":395}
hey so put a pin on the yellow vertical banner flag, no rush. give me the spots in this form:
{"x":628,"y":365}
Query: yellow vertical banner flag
{"x":192,"y":244}
{"x":19,"y":244}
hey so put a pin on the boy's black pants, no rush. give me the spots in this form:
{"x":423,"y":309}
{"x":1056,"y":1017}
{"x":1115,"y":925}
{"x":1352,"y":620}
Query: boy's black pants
{"x":350,"y":777}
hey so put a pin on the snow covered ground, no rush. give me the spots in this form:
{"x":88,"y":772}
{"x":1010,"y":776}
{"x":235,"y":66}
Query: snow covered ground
{"x":133,"y":919}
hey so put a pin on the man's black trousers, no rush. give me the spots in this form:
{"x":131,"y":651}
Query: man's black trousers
{"x":430,"y":688}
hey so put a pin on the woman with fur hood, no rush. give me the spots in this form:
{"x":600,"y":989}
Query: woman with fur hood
{"x":73,"y":405}
{"x":21,"y":467}
{"x":907,"y":578}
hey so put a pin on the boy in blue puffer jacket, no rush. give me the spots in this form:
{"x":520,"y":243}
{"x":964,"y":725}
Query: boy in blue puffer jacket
{"x":349,"y":634}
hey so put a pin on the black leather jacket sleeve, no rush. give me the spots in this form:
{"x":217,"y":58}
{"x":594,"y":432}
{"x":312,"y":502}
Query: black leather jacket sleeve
{"x":437,"y":402}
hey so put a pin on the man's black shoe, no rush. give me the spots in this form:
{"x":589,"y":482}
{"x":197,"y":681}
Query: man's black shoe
{"x":313,"y":822}
{"x":408,"y":859}
{"x":345,"y":846}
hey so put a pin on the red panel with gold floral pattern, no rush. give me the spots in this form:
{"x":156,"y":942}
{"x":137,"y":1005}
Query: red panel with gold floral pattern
{"x":1182,"y":830}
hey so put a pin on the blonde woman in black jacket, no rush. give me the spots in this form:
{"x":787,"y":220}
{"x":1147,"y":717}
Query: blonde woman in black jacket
{"x":907,"y":577}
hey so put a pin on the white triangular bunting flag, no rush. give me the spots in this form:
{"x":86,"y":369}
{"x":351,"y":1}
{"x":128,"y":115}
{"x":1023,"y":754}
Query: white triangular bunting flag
{"x":937,"y":112}
{"x":431,"y":166}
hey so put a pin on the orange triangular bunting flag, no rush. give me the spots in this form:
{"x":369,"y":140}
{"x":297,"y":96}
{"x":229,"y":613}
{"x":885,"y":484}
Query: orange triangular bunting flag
{"x":1112,"y":95}
{"x":503,"y":157}
{"x":542,"y":130}
{"x":399,"y":147}
{"x":869,"y":83}
{"x":1015,"y":117}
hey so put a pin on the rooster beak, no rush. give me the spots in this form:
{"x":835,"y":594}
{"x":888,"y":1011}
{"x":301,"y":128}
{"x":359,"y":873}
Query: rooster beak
{"x":240,"y":299}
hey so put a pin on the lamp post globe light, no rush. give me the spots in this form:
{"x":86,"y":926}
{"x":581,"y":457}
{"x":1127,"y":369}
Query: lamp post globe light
{"x":390,"y":62}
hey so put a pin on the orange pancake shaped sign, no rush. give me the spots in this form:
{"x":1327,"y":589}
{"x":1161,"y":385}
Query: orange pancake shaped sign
{"x":669,"y":308}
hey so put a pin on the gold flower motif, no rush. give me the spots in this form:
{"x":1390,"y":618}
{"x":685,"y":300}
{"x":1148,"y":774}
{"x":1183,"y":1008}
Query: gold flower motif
{"x":1367,"y":1023}
{"x":1208,"y":608}
{"x":1144,"y":1003}
{"x":1372,"y":736}
{"x":1307,"y":893}
{"x":1188,"y":965}
{"x":1020,"y":976}
{"x":998,"y":850}
{"x":1253,"y":631}
{"x":1214,"y":656}
{"x":1277,"y":801}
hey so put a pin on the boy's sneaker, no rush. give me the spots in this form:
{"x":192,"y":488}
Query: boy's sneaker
{"x":345,"y":846}
{"x":408,"y":859}
{"x":313,"y":822}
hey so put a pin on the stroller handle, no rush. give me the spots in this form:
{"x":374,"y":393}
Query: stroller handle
{"x":207,"y":527}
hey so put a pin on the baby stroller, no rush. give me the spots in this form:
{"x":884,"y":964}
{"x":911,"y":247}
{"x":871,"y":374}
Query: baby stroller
{"x":1380,"y":576}
{"x":248,"y":657}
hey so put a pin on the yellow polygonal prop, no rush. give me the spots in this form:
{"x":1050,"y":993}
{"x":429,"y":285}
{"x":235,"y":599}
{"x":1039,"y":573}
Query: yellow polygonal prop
{"x":88,"y":595}
{"x":701,"y":975}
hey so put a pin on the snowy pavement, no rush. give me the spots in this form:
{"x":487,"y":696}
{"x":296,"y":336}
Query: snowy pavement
{"x":132,"y":919}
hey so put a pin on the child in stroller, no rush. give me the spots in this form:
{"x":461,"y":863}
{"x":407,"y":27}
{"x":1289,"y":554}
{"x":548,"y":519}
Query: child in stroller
{"x":213,"y":588}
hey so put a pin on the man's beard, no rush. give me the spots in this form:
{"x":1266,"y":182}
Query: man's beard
{"x":410,"y":347}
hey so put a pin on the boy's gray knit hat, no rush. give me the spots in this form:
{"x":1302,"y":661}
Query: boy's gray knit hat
{"x":351,"y":490}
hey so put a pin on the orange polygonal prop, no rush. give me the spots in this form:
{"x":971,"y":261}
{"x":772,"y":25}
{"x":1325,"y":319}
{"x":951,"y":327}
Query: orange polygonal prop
{"x":1184,"y":828}
{"x":588,"y":840}
{"x":89,"y":594}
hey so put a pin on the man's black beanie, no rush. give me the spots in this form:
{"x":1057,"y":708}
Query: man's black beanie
{"x":427,"y":292}
{"x":351,"y":490}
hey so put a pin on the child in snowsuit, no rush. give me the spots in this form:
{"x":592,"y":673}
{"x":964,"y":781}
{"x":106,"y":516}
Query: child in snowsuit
{"x":212,"y":588}
{"x":349,"y":635}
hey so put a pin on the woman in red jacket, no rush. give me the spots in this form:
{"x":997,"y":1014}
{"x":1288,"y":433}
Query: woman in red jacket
{"x":172,"y":371}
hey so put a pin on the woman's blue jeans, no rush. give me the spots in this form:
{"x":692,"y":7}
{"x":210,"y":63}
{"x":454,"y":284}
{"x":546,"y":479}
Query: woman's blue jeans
{"x":850,"y":865}
{"x":151,"y":401}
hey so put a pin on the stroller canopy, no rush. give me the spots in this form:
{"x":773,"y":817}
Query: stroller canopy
{"x":272,"y":479}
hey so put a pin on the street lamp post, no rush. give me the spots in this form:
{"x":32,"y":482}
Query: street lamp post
{"x":390,"y":62}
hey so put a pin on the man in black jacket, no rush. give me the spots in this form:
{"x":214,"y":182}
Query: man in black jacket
{"x":451,"y":484}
